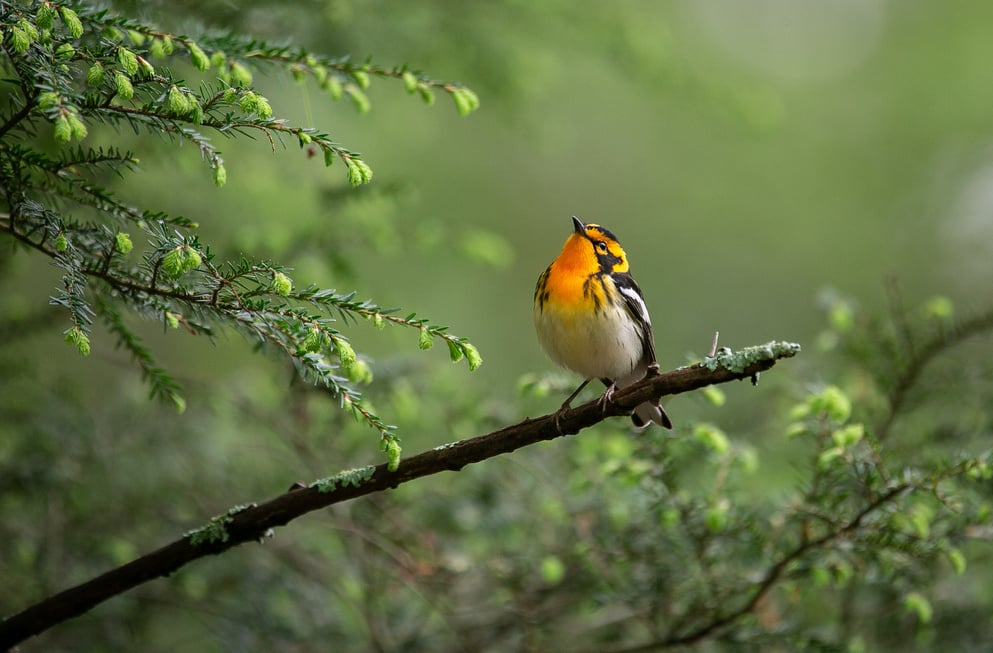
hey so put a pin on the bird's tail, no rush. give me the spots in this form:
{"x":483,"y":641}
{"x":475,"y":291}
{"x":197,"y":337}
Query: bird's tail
{"x":649,"y":412}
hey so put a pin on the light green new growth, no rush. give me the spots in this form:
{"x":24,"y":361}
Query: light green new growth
{"x":738,"y":361}
{"x":354,"y":477}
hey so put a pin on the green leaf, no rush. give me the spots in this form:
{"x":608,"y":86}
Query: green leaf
{"x":552,"y":570}
{"x":95,"y":74}
{"x":198,"y":57}
{"x":359,"y":172}
{"x":281,"y":284}
{"x":427,"y":95}
{"x":145,"y":69}
{"x":262,"y":108}
{"x":172,"y":262}
{"x":920,"y":516}
{"x":917,"y":603}
{"x":178,"y":402}
{"x":938,"y":308}
{"x":828,"y":456}
{"x":714,"y":395}
{"x":240,"y":75}
{"x":454,"y":351}
{"x":76,"y":126}
{"x":833,"y":403}
{"x":359,"y":372}
{"x":472,"y":356}
{"x":841,"y":317}
{"x":63,"y":130}
{"x":180,"y":260}
{"x":465,"y":100}
{"x":359,"y":99}
{"x":220,"y":174}
{"x":65,"y":52}
{"x":334,"y":87}
{"x":848,"y":435}
{"x":346,"y":355}
{"x":45,"y":17}
{"x":361,"y":78}
{"x":72,"y":22}
{"x":124,"y":86}
{"x":393,"y":451}
{"x":712,"y":438}
{"x":156,"y":49}
{"x":957,"y":558}
{"x":128,"y":61}
{"x":178,"y":103}
{"x":80,"y":340}
{"x":19,"y":40}
{"x":122,"y":242}
{"x":48,"y":99}
{"x":29,"y":29}
{"x":313,"y":341}
{"x":716,"y":516}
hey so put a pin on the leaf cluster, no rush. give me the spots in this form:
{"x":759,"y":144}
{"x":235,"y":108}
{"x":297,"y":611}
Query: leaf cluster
{"x":69,"y":68}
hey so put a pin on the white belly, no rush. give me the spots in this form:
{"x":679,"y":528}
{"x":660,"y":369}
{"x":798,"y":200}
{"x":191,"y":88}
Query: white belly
{"x":607,"y":344}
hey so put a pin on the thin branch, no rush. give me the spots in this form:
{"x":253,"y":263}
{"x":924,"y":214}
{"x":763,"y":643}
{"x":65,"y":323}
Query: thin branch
{"x":923,"y":354}
{"x":254,"y":523}
{"x":772,"y":576}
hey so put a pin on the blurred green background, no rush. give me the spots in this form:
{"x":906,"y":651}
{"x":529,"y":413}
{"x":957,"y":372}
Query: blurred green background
{"x":755,"y":159}
{"x":747,"y":155}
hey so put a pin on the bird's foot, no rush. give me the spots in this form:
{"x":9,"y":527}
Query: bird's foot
{"x":607,"y":395}
{"x":558,"y":417}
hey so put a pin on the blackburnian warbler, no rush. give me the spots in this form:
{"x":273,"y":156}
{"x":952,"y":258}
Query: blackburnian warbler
{"x":591,"y":317}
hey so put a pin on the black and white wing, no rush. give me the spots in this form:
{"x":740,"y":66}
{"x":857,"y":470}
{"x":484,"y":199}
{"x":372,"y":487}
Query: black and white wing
{"x":635,"y":303}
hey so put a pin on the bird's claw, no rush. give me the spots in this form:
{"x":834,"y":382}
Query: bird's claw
{"x":605,"y":398}
{"x":558,"y":418}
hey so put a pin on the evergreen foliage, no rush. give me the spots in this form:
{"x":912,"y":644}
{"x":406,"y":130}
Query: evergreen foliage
{"x":70,"y":67}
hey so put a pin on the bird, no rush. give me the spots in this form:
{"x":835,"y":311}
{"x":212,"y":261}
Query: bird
{"x":590,"y":317}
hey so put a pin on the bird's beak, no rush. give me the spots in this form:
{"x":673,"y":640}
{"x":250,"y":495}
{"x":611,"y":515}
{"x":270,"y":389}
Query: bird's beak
{"x":578,"y":225}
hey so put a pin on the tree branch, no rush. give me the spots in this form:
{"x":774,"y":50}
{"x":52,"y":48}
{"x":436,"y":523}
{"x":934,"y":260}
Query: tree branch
{"x":254,"y":522}
{"x":923,"y":354}
{"x":771,"y":577}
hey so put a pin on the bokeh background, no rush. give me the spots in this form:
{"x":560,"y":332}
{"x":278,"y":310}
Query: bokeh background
{"x":757,"y":160}
{"x":749,"y":155}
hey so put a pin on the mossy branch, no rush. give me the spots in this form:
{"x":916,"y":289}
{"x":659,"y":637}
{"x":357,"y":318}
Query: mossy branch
{"x":254,"y":522}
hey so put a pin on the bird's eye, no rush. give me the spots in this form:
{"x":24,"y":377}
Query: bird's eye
{"x":601,"y":246}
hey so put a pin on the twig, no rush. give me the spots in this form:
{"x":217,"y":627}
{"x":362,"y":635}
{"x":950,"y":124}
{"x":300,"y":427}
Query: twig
{"x":924,"y":354}
{"x":771,"y":577}
{"x":713,"y":345}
